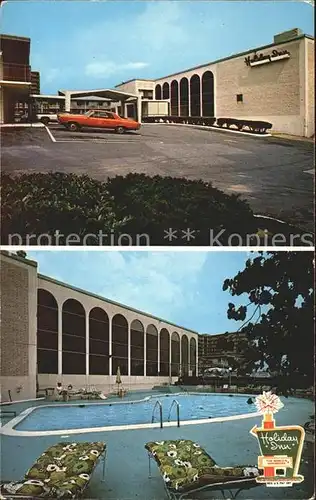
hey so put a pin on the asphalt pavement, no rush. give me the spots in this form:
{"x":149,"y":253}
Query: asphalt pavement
{"x":275,"y":176}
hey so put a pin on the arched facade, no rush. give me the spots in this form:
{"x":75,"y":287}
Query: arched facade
{"x":137,"y":348}
{"x":184,"y":355}
{"x":190,"y":95}
{"x":158,"y":92}
{"x":193,"y":356}
{"x":98,"y":342}
{"x":195,"y":95}
{"x":47,"y":332}
{"x":184,"y":97}
{"x":73,"y":337}
{"x":164,"y":352}
{"x":151,"y":351}
{"x":76,"y":338}
{"x":174,"y":98}
{"x":208,"y":94}
{"x":175,"y":354}
{"x":119,"y":344}
{"x":165,"y":91}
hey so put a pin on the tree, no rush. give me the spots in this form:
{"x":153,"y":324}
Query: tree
{"x":280,"y":329}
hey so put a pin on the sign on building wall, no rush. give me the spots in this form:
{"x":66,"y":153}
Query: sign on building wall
{"x":258,"y":59}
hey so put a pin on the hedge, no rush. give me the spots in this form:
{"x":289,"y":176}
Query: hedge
{"x":252,"y":125}
{"x":157,"y":203}
{"x":43,"y":203}
{"x":190,"y":120}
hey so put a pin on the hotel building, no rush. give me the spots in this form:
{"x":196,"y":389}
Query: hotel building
{"x":273,"y":83}
{"x":218,"y":350}
{"x":15,"y":75}
{"x":52,"y":332}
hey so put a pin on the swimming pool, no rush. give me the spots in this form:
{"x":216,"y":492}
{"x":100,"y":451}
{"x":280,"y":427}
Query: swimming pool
{"x":192,"y":407}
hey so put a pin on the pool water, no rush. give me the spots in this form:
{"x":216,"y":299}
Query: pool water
{"x":80,"y":416}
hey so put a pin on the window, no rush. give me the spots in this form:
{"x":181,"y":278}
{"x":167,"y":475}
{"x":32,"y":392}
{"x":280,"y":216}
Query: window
{"x":102,"y":114}
{"x":147,"y":94}
{"x":239,"y":97}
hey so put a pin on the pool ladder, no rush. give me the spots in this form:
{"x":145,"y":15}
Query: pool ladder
{"x":176,"y":403}
{"x":158,"y":403}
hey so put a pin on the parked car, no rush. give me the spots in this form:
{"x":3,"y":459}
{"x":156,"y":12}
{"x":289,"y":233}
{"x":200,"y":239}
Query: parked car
{"x":47,"y":118}
{"x":98,"y":118}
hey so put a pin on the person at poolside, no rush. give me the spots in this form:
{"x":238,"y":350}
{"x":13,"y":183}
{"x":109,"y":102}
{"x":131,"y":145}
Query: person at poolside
{"x":59,"y":388}
{"x":61,"y":392}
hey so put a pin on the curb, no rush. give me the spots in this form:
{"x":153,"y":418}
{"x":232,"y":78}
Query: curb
{"x":218,"y":129}
{"x":22,"y":125}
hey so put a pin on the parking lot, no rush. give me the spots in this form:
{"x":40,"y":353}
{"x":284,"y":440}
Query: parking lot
{"x":275,"y":176}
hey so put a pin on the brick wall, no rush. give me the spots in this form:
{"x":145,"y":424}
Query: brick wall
{"x":311,"y":88}
{"x":14,"y":320}
{"x":268,"y":90}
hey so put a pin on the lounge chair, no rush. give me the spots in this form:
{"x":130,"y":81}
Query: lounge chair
{"x":187,"y":468}
{"x":62,"y":471}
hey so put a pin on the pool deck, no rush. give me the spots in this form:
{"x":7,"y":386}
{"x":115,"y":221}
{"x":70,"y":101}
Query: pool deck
{"x":229,"y":443}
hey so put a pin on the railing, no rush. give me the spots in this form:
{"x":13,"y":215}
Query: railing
{"x":158,"y":403}
{"x":175,"y":402}
{"x":15,"y":72}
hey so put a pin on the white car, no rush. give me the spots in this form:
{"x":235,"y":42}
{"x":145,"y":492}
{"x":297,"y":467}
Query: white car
{"x":47,"y":118}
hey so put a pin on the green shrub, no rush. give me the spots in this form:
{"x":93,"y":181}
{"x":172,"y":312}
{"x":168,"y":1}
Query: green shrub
{"x":43,"y":203}
{"x":155,"y":204}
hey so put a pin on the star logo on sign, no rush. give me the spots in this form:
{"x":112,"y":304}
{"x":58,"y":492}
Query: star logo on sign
{"x":188,"y":234}
{"x":170,"y":234}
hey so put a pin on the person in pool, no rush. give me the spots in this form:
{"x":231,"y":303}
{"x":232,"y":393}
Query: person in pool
{"x":249,"y":401}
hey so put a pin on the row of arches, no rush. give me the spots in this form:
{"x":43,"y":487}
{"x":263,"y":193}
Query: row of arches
{"x":175,"y":355}
{"x":189,"y":97}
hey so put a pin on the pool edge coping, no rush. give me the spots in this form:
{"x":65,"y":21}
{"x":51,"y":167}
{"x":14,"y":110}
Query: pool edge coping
{"x":9,"y":430}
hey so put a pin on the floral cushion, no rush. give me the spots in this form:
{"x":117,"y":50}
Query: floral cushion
{"x":185,"y":465}
{"x":32,"y":488}
{"x":62,"y":471}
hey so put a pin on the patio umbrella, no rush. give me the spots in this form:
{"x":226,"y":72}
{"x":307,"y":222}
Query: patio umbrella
{"x":118,"y":376}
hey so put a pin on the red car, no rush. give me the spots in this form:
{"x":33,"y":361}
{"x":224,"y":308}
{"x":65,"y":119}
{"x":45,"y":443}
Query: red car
{"x":98,"y":118}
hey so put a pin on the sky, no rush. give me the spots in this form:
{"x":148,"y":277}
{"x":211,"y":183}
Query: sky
{"x":184,"y":287}
{"x":98,"y":44}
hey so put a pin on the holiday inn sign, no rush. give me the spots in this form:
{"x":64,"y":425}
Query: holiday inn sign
{"x":258,"y":59}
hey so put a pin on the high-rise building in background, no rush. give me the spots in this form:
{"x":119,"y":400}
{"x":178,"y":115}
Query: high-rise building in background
{"x":36,"y":82}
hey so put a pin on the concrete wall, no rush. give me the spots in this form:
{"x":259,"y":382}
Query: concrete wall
{"x":104,"y":382}
{"x":18,"y":328}
{"x":135,"y":86}
{"x":157,"y":108}
{"x":281,"y":92}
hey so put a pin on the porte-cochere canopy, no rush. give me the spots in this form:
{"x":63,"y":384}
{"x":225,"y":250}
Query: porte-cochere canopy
{"x":86,"y":347}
